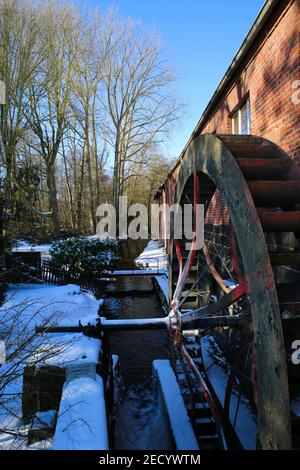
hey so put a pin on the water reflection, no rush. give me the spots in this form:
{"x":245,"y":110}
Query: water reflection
{"x":136,"y":349}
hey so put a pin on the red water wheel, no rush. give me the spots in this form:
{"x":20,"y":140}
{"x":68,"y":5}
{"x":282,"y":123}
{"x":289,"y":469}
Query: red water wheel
{"x":249,"y":268}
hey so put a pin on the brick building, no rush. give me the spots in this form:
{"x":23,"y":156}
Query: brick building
{"x":251,"y":244}
{"x":260,"y":92}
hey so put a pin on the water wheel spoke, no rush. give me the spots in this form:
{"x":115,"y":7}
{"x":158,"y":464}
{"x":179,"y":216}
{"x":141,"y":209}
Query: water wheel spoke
{"x":231,"y":287}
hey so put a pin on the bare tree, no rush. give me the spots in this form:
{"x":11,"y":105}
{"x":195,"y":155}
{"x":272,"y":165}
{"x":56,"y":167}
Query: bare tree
{"x":85,"y":93}
{"x":49,"y":93}
{"x":20,"y":56}
{"x":147,"y":177}
{"x":138,"y":101}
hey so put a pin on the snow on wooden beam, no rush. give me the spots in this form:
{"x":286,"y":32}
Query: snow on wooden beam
{"x":171,"y":403}
{"x":132,"y":273}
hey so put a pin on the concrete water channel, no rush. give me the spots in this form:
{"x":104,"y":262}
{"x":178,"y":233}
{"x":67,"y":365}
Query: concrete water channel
{"x":137,"y":418}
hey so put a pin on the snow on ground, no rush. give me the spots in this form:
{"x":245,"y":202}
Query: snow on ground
{"x":217,"y":374}
{"x":34,"y":304}
{"x":23,"y":246}
{"x":154,"y":257}
{"x":67,"y":304}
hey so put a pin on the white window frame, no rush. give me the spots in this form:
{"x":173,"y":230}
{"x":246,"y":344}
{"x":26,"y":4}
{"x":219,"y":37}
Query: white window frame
{"x":248,"y":117}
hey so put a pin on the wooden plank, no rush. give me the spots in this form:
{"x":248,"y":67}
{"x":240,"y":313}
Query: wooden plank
{"x":285,"y":259}
{"x":275,"y":193}
{"x":280,"y":221}
{"x":261,"y":169}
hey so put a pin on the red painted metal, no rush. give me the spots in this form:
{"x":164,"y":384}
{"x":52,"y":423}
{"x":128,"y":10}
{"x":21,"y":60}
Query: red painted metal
{"x":266,"y":166}
{"x":206,"y":394}
{"x":185,"y":271}
{"x":178,"y":252}
{"x":224,"y":302}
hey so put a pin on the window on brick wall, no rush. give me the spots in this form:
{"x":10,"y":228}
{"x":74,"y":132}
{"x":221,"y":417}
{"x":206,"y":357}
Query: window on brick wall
{"x":241,"y":119}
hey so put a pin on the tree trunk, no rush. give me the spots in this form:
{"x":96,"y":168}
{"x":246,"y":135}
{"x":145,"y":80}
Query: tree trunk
{"x":116,"y":184}
{"x":51,"y":184}
{"x":70,"y":195}
{"x":92,"y":209}
{"x":79,"y":195}
{"x":95,"y":154}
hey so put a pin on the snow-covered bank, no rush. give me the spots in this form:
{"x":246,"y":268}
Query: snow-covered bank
{"x":82,"y":418}
{"x":23,"y":246}
{"x":26,"y":306}
{"x":154,"y":257}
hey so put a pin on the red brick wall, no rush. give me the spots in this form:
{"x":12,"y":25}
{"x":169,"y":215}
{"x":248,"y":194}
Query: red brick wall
{"x":267,"y":76}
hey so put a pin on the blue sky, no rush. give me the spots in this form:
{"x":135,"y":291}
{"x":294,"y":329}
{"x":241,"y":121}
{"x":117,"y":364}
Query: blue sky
{"x":201,"y":38}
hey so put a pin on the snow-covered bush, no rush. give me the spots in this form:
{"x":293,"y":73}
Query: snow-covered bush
{"x":84,"y":256}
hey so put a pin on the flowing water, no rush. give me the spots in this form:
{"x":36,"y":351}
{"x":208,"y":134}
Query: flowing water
{"x":136,"y":417}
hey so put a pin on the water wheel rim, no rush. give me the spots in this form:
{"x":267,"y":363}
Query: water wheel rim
{"x":208,"y":155}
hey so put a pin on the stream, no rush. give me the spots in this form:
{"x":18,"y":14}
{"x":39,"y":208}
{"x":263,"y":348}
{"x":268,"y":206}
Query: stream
{"x":137,"y":421}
